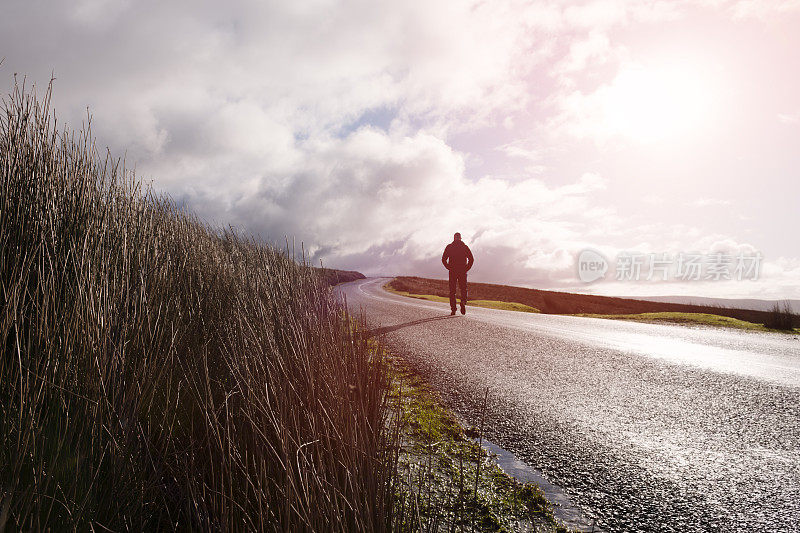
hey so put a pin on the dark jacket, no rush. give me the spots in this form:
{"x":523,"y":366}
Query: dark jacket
{"x":457,"y":257}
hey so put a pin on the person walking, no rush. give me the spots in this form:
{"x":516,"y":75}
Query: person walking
{"x":457,"y":259}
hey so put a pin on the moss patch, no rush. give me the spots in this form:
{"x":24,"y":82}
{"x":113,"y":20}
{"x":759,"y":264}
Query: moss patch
{"x":438,"y":465}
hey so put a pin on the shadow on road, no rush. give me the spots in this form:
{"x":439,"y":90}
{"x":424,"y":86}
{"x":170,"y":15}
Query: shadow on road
{"x":389,"y":329}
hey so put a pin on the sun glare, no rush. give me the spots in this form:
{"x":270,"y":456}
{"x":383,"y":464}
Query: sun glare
{"x":655,"y":104}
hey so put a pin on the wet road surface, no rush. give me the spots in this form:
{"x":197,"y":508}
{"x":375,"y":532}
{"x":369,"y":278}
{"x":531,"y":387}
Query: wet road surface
{"x":648,"y":427}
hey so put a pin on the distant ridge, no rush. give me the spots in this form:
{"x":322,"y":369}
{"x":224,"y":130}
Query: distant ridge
{"x":566,"y":303}
{"x":734,"y":303}
{"x":331,"y":276}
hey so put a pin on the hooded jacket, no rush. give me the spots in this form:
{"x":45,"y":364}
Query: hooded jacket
{"x":457,"y":257}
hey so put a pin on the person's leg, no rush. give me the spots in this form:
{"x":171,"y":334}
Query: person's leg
{"x":452,"y":279}
{"x":463,"y":282}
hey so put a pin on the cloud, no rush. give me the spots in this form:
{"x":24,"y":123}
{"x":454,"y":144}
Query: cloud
{"x":706,"y":202}
{"x":789,"y":118}
{"x":595,"y":48}
{"x":313,"y":68}
{"x":391,"y":201}
{"x":371,"y":131}
{"x":653,"y":199}
{"x":763,"y":8}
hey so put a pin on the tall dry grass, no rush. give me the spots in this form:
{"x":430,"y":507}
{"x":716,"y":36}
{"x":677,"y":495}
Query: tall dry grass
{"x":782,"y":317}
{"x":160,"y":374}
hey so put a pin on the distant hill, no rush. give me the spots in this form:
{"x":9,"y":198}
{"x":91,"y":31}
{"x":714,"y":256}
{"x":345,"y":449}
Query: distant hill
{"x":565,"y":303}
{"x":739,"y":303}
{"x":331,"y":276}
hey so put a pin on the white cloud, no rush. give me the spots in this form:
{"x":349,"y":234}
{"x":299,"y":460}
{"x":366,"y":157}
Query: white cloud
{"x":402,"y":197}
{"x":789,"y":118}
{"x":595,"y":48}
{"x":518,"y":149}
{"x":707,"y":202}
{"x":344,"y":123}
{"x":98,"y":13}
{"x":653,"y":199}
{"x":763,"y":8}
{"x":642,"y":103}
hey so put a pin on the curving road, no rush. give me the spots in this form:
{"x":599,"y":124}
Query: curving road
{"x":649,"y":427}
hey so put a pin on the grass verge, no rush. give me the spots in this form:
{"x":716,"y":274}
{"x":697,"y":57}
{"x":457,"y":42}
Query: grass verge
{"x":445,"y":480}
{"x":492,"y":304}
{"x":700,"y":319}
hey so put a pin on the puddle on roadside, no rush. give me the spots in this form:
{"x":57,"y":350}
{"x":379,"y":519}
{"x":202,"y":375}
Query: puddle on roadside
{"x":564,"y":509}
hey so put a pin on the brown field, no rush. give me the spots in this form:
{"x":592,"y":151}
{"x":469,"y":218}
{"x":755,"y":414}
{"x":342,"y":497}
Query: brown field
{"x":564,"y":303}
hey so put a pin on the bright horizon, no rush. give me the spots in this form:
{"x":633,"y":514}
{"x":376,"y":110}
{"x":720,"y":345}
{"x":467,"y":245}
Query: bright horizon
{"x":373,"y":132}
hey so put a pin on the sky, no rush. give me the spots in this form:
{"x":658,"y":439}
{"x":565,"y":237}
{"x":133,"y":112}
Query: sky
{"x":372,"y":131}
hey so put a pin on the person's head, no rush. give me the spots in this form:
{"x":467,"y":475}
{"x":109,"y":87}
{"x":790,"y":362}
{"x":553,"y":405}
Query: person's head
{"x":456,"y":236}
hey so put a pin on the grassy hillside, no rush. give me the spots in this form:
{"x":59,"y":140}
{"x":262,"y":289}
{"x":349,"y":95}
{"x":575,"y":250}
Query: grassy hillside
{"x":157,"y":373}
{"x":331,"y":276}
{"x":568,"y":303}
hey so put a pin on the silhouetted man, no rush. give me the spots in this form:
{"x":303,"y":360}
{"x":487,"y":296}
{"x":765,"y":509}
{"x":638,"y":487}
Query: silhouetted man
{"x":457,"y":258}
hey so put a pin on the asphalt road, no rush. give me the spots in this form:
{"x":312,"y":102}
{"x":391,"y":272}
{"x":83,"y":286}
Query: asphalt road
{"x":648,"y":427}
